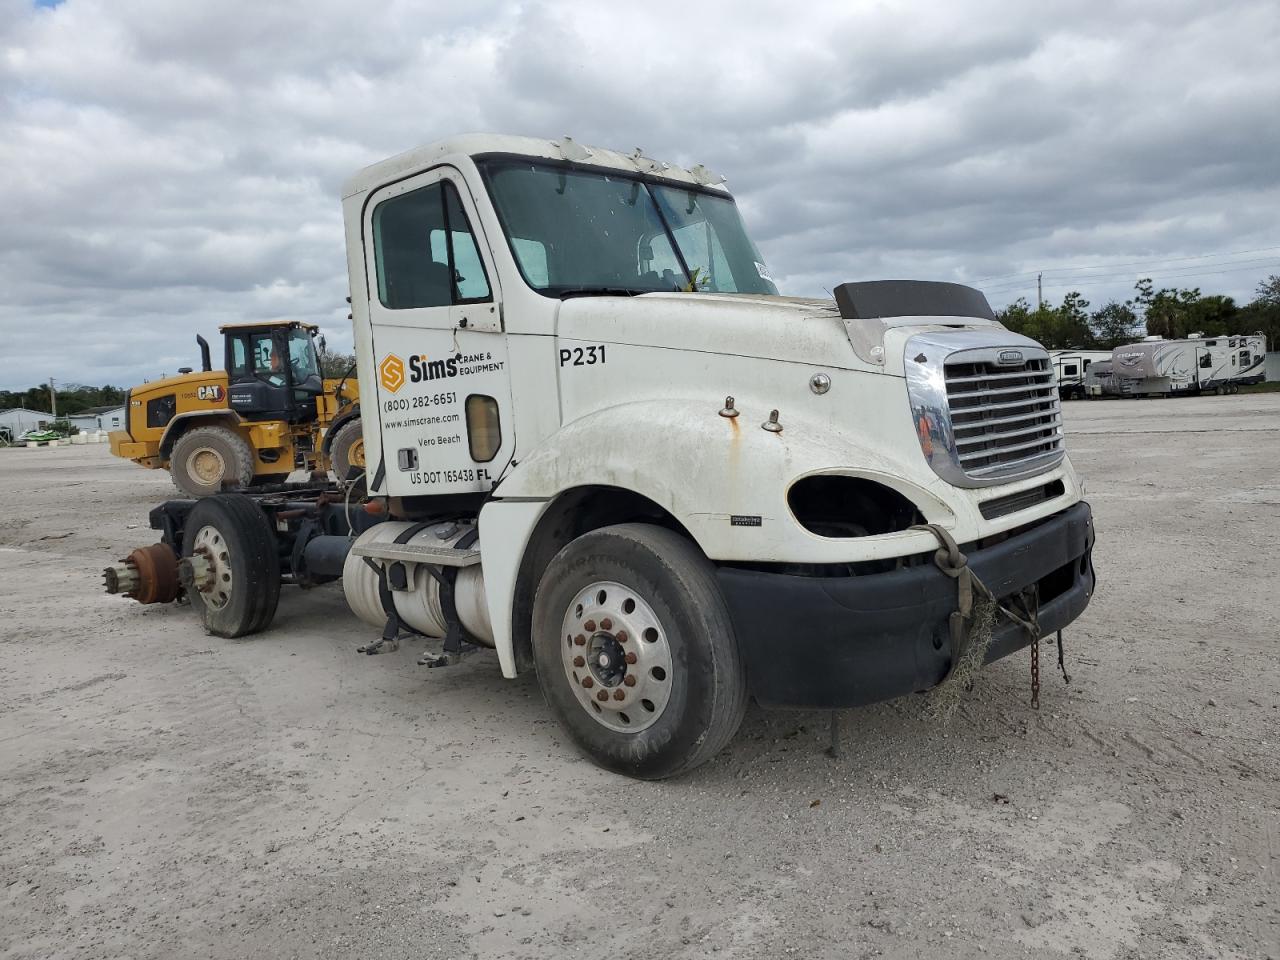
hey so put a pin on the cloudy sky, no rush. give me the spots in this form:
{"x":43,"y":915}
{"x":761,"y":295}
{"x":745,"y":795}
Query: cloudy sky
{"x":168,"y":166}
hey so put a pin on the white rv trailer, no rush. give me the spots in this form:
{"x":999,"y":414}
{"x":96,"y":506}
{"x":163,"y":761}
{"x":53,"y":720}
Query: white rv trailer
{"x":1069,"y":367}
{"x":1224,"y":363}
{"x":1157,"y":367}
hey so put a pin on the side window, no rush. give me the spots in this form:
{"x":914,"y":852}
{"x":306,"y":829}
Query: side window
{"x":1244,"y":358}
{"x":268,"y":365}
{"x":408,"y":275}
{"x":468,"y":270}
{"x":532,"y":255}
{"x":702,"y":251}
{"x":659,"y":264}
{"x":1070,"y":370}
{"x":424,"y":251}
{"x":1206,"y":361}
{"x":239,"y":359}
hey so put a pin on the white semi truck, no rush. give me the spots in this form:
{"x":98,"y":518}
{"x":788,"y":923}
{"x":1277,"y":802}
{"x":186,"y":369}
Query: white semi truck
{"x":601,"y":443}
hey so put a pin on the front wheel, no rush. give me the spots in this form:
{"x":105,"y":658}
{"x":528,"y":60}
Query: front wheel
{"x":347,"y":452}
{"x":230,"y":566}
{"x":635,"y":651}
{"x":206,"y":458}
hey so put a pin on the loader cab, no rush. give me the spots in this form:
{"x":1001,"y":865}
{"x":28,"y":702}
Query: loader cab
{"x":273,"y":371}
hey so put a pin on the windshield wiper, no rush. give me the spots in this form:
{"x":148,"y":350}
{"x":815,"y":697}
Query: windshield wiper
{"x":600,"y":292}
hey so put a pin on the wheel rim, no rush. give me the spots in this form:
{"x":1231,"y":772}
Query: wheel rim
{"x":207,"y":466}
{"x":210,"y":544}
{"x":616,"y":657}
{"x":356,"y":455}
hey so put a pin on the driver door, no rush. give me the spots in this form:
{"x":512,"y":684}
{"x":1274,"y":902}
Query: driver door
{"x":442,"y":387}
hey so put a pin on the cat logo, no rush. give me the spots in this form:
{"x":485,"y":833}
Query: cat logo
{"x":391,"y":372}
{"x":211,"y":392}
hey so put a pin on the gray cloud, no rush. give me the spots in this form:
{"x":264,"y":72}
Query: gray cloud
{"x":169,"y":167}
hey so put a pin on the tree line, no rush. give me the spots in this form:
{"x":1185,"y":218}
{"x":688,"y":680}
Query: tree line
{"x":72,"y":398}
{"x":1168,"y":312}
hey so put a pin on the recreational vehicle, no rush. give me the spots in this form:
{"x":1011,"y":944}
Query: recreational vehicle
{"x":1070,"y":368}
{"x":1157,"y":367}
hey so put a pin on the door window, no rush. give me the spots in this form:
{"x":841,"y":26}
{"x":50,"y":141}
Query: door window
{"x":424,"y":251}
{"x":268,"y":365}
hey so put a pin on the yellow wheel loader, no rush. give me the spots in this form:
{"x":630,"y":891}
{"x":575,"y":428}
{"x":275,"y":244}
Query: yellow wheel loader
{"x":266,"y":414}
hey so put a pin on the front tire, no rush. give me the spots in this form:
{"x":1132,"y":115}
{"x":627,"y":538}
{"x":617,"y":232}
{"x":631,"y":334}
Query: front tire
{"x":641,"y":602}
{"x":206,"y":458}
{"x":235,"y":580}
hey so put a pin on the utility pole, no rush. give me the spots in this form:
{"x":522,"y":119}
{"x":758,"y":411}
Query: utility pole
{"x":1039,"y":291}
{"x":53,"y":399}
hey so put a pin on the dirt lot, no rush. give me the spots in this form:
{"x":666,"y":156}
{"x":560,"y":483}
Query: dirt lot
{"x":166,"y":794}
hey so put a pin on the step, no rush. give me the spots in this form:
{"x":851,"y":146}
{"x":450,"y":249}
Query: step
{"x":443,"y":555}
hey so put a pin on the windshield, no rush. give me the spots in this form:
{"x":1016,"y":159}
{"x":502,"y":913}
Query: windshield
{"x":582,"y":232}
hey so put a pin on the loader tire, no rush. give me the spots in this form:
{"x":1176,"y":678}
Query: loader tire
{"x":205,"y":459}
{"x":239,"y":587}
{"x":635,"y":651}
{"x":347,"y":451}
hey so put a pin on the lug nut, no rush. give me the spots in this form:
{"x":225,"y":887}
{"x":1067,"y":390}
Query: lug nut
{"x":588,"y":682}
{"x":602,"y":695}
{"x":590,"y":626}
{"x":606,"y":624}
{"x":629,"y":680}
{"x":630,"y":657}
{"x":621,"y":636}
{"x":618,"y":695}
{"x":580,"y":640}
{"x":579,"y":662}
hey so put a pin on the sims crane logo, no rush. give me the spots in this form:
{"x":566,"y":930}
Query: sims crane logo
{"x":391,"y":372}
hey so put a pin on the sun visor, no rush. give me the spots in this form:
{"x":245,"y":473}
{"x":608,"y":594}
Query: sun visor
{"x":879,"y":299}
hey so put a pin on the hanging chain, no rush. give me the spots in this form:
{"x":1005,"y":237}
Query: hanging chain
{"x":955,"y":564}
{"x":1035,"y":670}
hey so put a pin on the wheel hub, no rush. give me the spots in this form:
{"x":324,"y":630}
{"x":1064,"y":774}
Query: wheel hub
{"x":207,"y":465}
{"x":617,"y":657}
{"x":606,"y":659}
{"x":211,"y":573}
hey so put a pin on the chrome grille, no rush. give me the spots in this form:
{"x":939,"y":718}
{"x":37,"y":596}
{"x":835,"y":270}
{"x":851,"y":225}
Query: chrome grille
{"x":985,"y":405}
{"x":1003,"y":417}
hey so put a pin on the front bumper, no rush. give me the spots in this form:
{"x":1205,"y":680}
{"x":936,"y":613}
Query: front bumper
{"x":834,"y":642}
{"x":123,"y":445}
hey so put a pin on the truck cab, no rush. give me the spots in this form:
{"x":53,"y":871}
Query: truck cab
{"x":567,"y":336}
{"x":599,"y":440}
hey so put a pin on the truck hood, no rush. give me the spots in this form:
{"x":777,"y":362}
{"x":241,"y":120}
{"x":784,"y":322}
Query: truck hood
{"x":790,"y":329}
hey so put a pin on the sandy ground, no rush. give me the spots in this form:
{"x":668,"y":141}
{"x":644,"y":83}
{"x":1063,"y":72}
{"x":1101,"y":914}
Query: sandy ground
{"x":167,"y":794}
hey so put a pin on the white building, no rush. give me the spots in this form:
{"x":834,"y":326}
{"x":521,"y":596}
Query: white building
{"x":99,"y":418}
{"x":16,"y":421}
